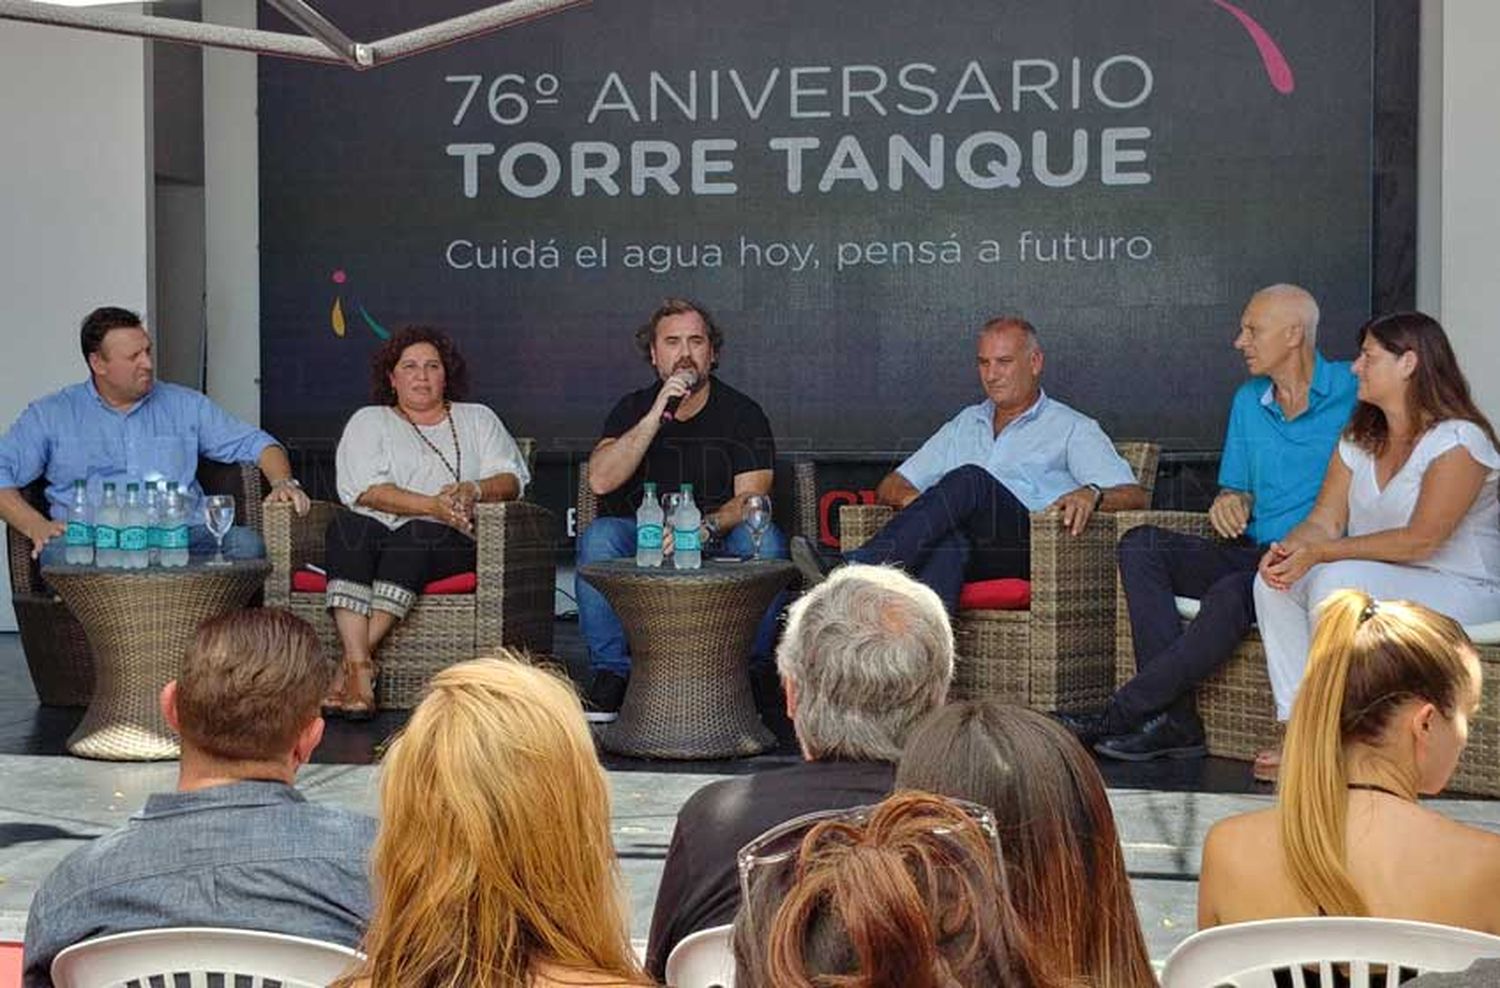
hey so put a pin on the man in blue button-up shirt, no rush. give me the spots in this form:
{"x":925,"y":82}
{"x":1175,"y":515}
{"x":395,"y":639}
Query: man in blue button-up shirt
{"x":1283,"y":425}
{"x":964,"y":499}
{"x":236,"y":844}
{"x":121,"y":425}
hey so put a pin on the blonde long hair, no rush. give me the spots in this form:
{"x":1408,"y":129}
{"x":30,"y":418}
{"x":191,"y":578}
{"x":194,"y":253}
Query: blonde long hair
{"x":1366,"y":659}
{"x":494,"y":851}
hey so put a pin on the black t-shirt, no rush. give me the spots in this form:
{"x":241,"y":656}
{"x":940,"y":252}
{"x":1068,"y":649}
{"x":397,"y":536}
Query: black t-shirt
{"x":700,"y":879}
{"x":729,"y":435}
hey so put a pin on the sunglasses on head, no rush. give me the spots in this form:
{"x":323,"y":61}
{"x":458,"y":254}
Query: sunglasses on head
{"x":779,"y":847}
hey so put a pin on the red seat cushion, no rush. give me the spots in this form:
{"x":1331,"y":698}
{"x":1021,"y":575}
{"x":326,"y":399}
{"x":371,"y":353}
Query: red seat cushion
{"x":306,"y":581}
{"x":1008,"y":594}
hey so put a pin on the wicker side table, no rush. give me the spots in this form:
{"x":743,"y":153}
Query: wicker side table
{"x":690,"y":633}
{"x":139,"y":623}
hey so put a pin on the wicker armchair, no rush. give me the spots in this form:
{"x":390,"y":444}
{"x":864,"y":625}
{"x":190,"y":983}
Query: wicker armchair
{"x":1235,"y":703}
{"x":511,"y":604}
{"x":57,"y":652}
{"x":1059,"y":654}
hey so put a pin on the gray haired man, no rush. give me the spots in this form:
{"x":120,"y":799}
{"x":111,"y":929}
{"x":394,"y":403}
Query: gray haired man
{"x":866,"y":655}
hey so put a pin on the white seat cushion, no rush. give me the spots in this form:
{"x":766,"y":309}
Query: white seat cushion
{"x":1481,"y":634}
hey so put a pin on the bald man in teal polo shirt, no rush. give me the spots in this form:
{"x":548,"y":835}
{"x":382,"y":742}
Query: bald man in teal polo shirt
{"x":1283,"y":425}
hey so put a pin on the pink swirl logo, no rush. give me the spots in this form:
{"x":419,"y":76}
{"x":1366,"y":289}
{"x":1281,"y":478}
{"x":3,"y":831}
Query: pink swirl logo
{"x":1278,"y":71}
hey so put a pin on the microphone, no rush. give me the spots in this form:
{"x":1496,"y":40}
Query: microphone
{"x":669,"y":414}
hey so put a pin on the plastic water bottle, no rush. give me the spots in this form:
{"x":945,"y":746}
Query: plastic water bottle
{"x":135,"y":550}
{"x":153,"y":524}
{"x":687,"y":551}
{"x":648,"y":529}
{"x":174,"y":527}
{"x":78,"y":543}
{"x":107,"y":530}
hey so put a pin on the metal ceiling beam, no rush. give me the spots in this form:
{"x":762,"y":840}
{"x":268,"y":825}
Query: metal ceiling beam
{"x":300,"y":13}
{"x":328,"y":44}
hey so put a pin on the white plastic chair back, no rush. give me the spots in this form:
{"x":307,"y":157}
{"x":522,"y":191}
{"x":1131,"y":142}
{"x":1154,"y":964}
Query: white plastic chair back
{"x":702,"y":960}
{"x":1247,"y":955}
{"x":201,"y":957}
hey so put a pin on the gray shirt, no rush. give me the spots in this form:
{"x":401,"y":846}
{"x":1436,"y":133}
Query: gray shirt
{"x":1480,"y":974}
{"x":253,"y":854}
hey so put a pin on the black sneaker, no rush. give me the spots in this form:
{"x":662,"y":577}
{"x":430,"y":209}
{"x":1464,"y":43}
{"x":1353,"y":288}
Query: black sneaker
{"x":601,"y":705}
{"x":811,"y":563}
{"x":1163,"y":736}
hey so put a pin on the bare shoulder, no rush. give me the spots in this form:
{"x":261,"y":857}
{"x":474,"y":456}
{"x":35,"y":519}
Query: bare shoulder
{"x":1233,"y":835}
{"x":1478,"y":848}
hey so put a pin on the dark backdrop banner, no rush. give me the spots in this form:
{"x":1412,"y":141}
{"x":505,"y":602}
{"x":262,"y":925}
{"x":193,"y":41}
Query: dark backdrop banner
{"x":851,"y":188}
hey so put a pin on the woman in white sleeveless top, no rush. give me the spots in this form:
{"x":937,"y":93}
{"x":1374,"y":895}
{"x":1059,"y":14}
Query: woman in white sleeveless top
{"x":1408,"y":506}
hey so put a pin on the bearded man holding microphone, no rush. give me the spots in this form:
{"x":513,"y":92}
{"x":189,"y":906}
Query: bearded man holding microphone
{"x":687,"y":427}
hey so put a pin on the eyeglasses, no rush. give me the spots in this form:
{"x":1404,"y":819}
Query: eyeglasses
{"x":779,"y":846}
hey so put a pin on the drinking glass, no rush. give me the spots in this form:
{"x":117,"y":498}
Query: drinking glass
{"x":757,"y":519}
{"x":218,"y":514}
{"x":670,"y":502}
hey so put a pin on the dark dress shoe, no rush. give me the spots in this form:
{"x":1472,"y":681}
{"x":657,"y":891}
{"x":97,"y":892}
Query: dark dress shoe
{"x":1163,"y":736}
{"x":1090,"y":729}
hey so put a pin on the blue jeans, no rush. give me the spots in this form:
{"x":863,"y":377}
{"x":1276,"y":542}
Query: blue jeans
{"x":614,"y":538}
{"x":240,"y":542}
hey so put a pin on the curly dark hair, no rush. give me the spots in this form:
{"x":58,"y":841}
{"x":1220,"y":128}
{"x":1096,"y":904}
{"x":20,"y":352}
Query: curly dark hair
{"x":645,"y":335}
{"x":384,"y":360}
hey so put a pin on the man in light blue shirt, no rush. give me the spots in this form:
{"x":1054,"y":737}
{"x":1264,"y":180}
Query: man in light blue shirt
{"x":121,"y":425}
{"x":1283,"y":425}
{"x":236,"y":844}
{"x":964,"y":499}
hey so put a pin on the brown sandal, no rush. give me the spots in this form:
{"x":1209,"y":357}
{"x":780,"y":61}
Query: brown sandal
{"x":359,"y":697}
{"x":1267,"y":765}
{"x":333,"y":703}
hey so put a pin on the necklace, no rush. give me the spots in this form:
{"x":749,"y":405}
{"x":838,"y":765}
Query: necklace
{"x":1375,"y":787}
{"x":458,"y":451}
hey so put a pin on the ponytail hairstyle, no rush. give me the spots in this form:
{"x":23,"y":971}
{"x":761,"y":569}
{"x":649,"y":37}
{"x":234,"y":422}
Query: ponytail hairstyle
{"x":1367,"y":659}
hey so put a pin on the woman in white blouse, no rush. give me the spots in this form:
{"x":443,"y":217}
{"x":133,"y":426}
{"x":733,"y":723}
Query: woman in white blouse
{"x":1407,"y":509}
{"x":410,"y":469}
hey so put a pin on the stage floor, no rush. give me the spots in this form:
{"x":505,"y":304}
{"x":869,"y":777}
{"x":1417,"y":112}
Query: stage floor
{"x":51,"y":802}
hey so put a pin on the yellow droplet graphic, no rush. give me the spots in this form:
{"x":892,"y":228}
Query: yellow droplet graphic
{"x":337,"y":317}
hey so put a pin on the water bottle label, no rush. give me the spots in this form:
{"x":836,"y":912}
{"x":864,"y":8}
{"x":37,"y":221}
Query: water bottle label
{"x":648,"y":536}
{"x":79,"y":533}
{"x":174,"y":538}
{"x":685,"y":540}
{"x":153,"y":537}
{"x":106,"y":537}
{"x":133,"y":539}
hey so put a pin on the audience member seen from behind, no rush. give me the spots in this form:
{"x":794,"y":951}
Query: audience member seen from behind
{"x":1408,"y":506}
{"x":411,"y":468}
{"x":236,"y":845}
{"x":494,"y":866}
{"x":1381,"y":720}
{"x":1064,"y":866}
{"x":907,"y":894}
{"x":866,"y":655}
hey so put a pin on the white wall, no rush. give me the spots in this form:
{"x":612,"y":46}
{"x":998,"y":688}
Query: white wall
{"x":75,"y":219}
{"x":1470,"y":234}
{"x":231,"y":181}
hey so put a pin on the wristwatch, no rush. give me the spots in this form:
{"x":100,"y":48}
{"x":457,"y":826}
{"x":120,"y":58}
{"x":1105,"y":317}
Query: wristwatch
{"x":277,"y":485}
{"x":1098,"y":495}
{"x":711,"y":526}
